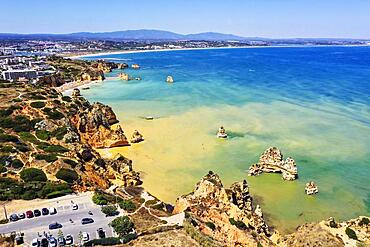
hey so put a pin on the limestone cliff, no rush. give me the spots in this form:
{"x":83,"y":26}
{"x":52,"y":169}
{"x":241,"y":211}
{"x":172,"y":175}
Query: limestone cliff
{"x":94,"y":127}
{"x":226,"y":215}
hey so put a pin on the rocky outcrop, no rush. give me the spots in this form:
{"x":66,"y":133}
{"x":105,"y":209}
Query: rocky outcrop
{"x":124,"y":76}
{"x":236,"y":221}
{"x":272,"y":161}
{"x":169,"y":79}
{"x":137,"y":137}
{"x":122,"y":66}
{"x":311,"y":188}
{"x":94,"y":127}
{"x":331,"y":233}
{"x":135,"y":66}
{"x":76,"y":92}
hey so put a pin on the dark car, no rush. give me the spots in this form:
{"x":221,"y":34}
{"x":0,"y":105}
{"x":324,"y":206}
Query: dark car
{"x":69,"y":239}
{"x":101,"y":233}
{"x":13,"y":217}
{"x":55,"y":225}
{"x":45,"y":211}
{"x":85,"y":221}
{"x":29,"y":214}
{"x":36,"y":213}
{"x":44,"y":242}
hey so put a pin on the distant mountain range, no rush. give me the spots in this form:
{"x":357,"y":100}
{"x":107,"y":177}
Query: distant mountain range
{"x":151,"y":35}
{"x":143,"y":34}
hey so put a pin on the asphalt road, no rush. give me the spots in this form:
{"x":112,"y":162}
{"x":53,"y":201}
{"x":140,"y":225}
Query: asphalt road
{"x":38,"y":225}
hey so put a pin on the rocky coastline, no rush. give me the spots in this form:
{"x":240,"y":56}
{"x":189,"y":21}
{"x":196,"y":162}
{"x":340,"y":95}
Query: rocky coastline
{"x":213,"y":214}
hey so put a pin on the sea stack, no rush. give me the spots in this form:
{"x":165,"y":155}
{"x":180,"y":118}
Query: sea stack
{"x":311,"y":188}
{"x":272,"y":161}
{"x":122,"y":66}
{"x":136,"y":137}
{"x":221,"y":132}
{"x":169,"y":79}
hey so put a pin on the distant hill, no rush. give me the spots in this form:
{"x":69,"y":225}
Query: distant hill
{"x":142,"y":34}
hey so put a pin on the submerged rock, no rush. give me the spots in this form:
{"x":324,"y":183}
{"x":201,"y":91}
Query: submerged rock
{"x":272,"y":161}
{"x":135,"y":66}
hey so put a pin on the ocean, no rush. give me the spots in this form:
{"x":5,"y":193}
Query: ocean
{"x":313,"y":103}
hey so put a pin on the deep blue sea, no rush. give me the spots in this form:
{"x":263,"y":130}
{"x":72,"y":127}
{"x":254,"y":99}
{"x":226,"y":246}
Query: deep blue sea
{"x":311,"y":102}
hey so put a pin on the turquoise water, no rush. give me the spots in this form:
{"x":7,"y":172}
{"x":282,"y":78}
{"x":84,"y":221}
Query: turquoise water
{"x":312,"y":102}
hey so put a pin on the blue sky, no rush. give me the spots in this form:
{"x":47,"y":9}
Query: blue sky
{"x":263,"y":18}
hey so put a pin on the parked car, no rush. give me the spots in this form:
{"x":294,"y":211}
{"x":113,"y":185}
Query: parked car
{"x":101,"y":233}
{"x":55,"y":225}
{"x":36,"y":213}
{"x":52,"y":242}
{"x":74,"y":206}
{"x":61,"y":241}
{"x":13,"y":217}
{"x":29,"y":214}
{"x":69,"y":239}
{"x":85,"y":221}
{"x":21,"y":216}
{"x":52,"y":211}
{"x":35,"y":242}
{"x":85,"y":237}
{"x":45,"y":211}
{"x":44,"y":242}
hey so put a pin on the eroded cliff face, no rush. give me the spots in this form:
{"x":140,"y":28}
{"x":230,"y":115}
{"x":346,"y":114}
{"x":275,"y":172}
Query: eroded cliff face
{"x":94,"y":125}
{"x":226,"y":215}
{"x":49,"y":131}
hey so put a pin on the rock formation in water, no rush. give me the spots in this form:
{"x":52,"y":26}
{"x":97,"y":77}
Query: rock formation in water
{"x":136,"y":137}
{"x":272,"y":161}
{"x":135,"y":66}
{"x":94,"y":127}
{"x":311,"y":188}
{"x":124,"y":76}
{"x":226,"y":215}
{"x":169,"y":79}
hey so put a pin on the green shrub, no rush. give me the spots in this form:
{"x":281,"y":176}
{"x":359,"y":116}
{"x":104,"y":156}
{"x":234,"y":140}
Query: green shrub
{"x":7,"y":149}
{"x":43,"y":134}
{"x":99,"y":199}
{"x":239,"y":224}
{"x":122,"y":226}
{"x":16,"y":164}
{"x":127,"y":205}
{"x":109,"y":210}
{"x":333,"y":224}
{"x":60,"y":133}
{"x":52,"y":188}
{"x":22,"y":123}
{"x":22,"y":147}
{"x":211,"y":225}
{"x":364,"y":221}
{"x":4,"y":221}
{"x":29,"y":195}
{"x":47,"y":157}
{"x":28,"y":137}
{"x":53,"y":148}
{"x":67,"y":175}
{"x":55,"y":114}
{"x":351,"y":233}
{"x":127,"y":238}
{"x":8,"y":138}
{"x":56,"y":194}
{"x":2,"y":169}
{"x":38,"y":104}
{"x":72,"y":163}
{"x":33,"y":174}
{"x":67,"y":98}
{"x":104,"y":242}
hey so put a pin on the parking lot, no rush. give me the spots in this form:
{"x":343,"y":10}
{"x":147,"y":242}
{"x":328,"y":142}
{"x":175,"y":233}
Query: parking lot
{"x":38,"y":225}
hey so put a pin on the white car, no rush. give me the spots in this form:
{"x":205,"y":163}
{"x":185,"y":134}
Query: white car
{"x":35,"y":242}
{"x":52,"y":242}
{"x":74,"y":206}
{"x":85,"y":237}
{"x":52,"y":211}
